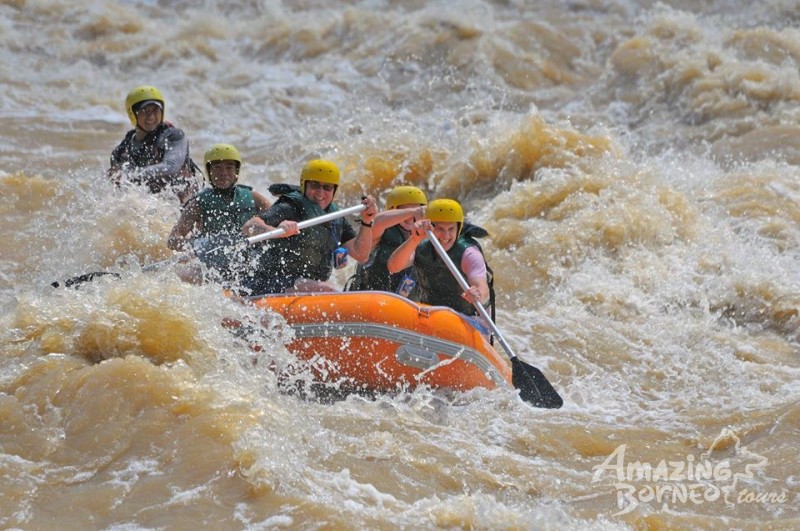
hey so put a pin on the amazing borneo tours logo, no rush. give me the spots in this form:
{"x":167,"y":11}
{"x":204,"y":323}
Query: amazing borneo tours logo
{"x":690,"y":480}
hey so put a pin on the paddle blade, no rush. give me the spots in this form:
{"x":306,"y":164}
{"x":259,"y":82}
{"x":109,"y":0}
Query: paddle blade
{"x":77,"y":281}
{"x":533,"y":386}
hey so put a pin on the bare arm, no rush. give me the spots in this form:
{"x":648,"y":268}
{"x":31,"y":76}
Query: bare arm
{"x":403,"y":257}
{"x":478,"y":291}
{"x":189,"y":221}
{"x":256,"y":225}
{"x":473,"y":264}
{"x":361,"y":246}
{"x":262,"y":203}
{"x":390,"y":218}
{"x":280,"y":215}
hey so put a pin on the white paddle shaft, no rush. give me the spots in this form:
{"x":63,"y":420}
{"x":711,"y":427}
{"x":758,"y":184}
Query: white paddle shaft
{"x":464,"y":286}
{"x":274,"y":233}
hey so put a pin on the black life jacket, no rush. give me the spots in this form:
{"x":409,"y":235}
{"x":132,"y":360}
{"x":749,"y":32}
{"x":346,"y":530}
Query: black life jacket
{"x":151,"y":151}
{"x":308,"y":254}
{"x":435,"y":281}
{"x":374,"y":274}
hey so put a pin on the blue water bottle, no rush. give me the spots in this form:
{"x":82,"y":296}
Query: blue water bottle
{"x":339,"y":257}
{"x":406,"y":286}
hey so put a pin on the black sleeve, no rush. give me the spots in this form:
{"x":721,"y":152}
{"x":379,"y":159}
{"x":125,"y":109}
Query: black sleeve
{"x":173,"y":134}
{"x":116,"y":155}
{"x":348,"y":232}
{"x":473,"y":230}
{"x":278,"y":212}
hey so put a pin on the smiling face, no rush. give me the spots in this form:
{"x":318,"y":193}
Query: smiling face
{"x":148,"y":117}
{"x":320,"y":193}
{"x":446,"y":232}
{"x":222,"y":173}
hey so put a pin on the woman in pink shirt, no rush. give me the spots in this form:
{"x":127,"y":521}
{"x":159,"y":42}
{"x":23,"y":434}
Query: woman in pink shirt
{"x":437,"y":286}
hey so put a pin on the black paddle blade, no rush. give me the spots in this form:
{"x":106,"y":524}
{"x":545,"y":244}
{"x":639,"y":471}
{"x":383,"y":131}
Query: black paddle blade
{"x":77,"y":281}
{"x":533,"y":386}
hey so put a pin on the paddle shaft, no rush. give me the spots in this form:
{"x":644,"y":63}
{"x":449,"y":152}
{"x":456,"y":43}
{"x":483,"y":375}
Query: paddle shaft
{"x":532,"y":385}
{"x":464,"y":286}
{"x":277,"y":232}
{"x":274,"y":233}
{"x":254,"y":239}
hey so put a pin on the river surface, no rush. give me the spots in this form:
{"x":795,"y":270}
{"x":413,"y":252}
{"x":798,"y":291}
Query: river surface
{"x":636,"y":166}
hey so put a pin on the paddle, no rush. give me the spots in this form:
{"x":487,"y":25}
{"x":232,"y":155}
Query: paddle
{"x":80,"y":279}
{"x":88,"y":277}
{"x":274,"y":233}
{"x":532,"y":385}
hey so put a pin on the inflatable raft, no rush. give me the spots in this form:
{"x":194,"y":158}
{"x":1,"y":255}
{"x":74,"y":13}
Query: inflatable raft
{"x":380,"y":342}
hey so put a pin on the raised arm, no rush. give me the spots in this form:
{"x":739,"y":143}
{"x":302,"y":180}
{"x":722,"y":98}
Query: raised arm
{"x":278,"y":216}
{"x":390,"y":218}
{"x":188,"y":221}
{"x":403,"y":256}
{"x":262,"y":203}
{"x":360,"y":246}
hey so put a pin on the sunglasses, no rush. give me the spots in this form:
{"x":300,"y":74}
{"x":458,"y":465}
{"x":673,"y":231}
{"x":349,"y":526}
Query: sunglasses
{"x":315,"y":185}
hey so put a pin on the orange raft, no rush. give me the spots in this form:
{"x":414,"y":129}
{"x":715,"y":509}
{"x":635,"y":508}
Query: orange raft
{"x":381,"y":342}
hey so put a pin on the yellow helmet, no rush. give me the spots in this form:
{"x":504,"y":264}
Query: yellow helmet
{"x":222,"y":152}
{"x":405,"y":195}
{"x":140,"y":94}
{"x":323,"y":171}
{"x":446,"y":211}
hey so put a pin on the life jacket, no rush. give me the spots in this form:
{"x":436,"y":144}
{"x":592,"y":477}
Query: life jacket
{"x":435,"y":281}
{"x":221,"y":246}
{"x":225,"y":211}
{"x":151,"y":151}
{"x":308,"y":254}
{"x":374,"y":274}
{"x":278,"y":189}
